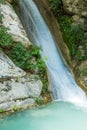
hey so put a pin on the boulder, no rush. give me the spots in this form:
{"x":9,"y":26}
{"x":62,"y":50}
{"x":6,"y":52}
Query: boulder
{"x":20,"y":92}
{"x":16,"y":87}
{"x":8,"y":69}
{"x":75,"y":7}
{"x":20,"y":88}
{"x":12,"y":22}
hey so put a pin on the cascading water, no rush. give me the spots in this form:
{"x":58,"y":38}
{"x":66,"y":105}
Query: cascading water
{"x":62,"y":82}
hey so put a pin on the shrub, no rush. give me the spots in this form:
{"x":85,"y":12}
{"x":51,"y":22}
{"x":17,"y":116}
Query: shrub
{"x":1,"y":110}
{"x":19,"y":55}
{"x":15,"y":5}
{"x":80,"y":56}
{"x":73,"y":35}
{"x":15,"y":108}
{"x":84,"y":72}
{"x":5,"y":38}
{"x":23,"y":58}
{"x":56,"y":6}
{"x":39,"y":100}
{"x":2,"y":1}
{"x":28,"y":59}
{"x":1,"y":16}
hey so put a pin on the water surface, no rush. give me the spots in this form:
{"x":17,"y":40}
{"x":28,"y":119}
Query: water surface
{"x":54,"y":116}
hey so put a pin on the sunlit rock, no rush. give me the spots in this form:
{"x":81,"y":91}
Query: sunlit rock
{"x":12,"y":22}
{"x":16,"y":87}
{"x":8,"y":69}
{"x":15,"y":105}
{"x":77,"y":7}
{"x":15,"y":91}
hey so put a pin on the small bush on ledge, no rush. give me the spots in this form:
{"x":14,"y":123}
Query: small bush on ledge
{"x":29,"y":59}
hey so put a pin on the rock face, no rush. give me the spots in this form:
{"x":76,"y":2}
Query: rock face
{"x":12,"y":22}
{"x":20,"y":88}
{"x":9,"y":1}
{"x":8,"y":69}
{"x":76,"y":7}
{"x":78,"y":11}
{"x":17,"y":89}
{"x":19,"y":92}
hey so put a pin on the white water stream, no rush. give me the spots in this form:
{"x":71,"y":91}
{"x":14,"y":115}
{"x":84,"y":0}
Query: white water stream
{"x":58,"y":115}
{"x":62,"y":82}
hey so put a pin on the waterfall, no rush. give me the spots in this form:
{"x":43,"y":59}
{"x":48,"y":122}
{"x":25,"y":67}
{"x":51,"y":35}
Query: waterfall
{"x":62,"y":82}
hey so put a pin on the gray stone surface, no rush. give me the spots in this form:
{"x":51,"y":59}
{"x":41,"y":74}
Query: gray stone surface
{"x":15,"y":89}
{"x":19,"y":92}
{"x":10,"y":105}
{"x":77,"y":7}
{"x":8,"y":69}
{"x":11,"y":21}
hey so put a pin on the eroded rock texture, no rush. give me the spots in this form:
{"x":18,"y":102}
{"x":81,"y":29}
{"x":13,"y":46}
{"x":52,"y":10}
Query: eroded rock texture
{"x":76,"y":7}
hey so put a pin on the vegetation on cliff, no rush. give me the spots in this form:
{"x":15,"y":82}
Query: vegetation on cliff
{"x":29,"y":59}
{"x":2,"y":1}
{"x":73,"y":34}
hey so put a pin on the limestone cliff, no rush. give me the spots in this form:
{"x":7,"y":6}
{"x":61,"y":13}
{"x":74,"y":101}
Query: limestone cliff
{"x":77,"y":9}
{"x":18,"y":89}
